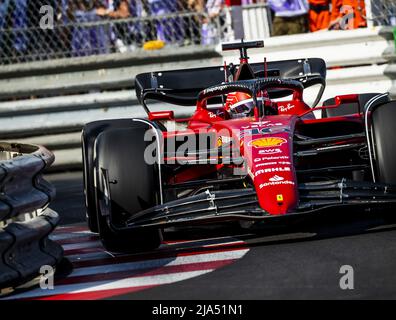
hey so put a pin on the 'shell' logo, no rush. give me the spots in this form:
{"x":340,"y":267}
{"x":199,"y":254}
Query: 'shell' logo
{"x":267,"y":142}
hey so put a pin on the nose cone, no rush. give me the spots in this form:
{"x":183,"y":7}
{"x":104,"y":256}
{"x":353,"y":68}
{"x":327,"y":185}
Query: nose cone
{"x":270,"y":165}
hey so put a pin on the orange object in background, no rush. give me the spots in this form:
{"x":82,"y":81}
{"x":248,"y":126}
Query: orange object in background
{"x":319,"y":14}
{"x":341,"y":8}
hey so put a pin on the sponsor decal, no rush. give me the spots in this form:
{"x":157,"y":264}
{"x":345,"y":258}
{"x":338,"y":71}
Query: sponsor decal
{"x":276,"y":183}
{"x":263,"y":124}
{"x":284,"y":163}
{"x":286,"y":108}
{"x":270,"y":151}
{"x":266,"y":164}
{"x":275,"y":158}
{"x":223,"y":87}
{"x":253,"y":132}
{"x":223,"y":140}
{"x":262,"y":128}
{"x":272,"y":159}
{"x":271,"y":170}
{"x":267,"y":142}
{"x":276,"y":178}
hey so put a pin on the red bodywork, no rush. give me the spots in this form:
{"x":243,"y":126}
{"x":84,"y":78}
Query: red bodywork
{"x":265,"y":144}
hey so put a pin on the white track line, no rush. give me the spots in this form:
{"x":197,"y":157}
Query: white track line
{"x":226,"y":254}
{"x":82,"y":245}
{"x":71,"y":229}
{"x":64,"y":236}
{"x":111,"y":284}
{"x":157,"y":263}
{"x":231,"y":243}
{"x":105,"y":255}
{"x":90,"y":256}
{"x":200,"y":241}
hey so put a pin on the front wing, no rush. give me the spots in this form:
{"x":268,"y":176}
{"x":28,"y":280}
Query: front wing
{"x":242,"y":204}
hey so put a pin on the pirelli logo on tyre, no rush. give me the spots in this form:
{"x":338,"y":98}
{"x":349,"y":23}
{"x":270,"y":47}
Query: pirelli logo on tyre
{"x":269,"y":142}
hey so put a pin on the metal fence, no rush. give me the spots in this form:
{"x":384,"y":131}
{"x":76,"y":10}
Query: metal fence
{"x":383,"y":13}
{"x":42,"y":30}
{"x":53,"y":29}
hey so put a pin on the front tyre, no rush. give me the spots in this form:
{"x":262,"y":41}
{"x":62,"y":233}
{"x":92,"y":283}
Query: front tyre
{"x":88,"y":137}
{"x":384,"y":136}
{"x":126,"y":184}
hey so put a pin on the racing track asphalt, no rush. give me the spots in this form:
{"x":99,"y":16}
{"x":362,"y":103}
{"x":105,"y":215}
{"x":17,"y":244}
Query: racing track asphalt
{"x":299,"y":263}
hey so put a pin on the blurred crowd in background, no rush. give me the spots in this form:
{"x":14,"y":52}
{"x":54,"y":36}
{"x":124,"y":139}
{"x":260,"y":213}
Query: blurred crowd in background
{"x":299,"y":16}
{"x":79,"y":27}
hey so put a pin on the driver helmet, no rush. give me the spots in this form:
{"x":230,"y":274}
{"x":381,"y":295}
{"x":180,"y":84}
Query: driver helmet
{"x":239,"y":104}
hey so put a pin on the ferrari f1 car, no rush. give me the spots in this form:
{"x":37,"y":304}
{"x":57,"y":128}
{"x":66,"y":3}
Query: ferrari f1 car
{"x":252,"y":151}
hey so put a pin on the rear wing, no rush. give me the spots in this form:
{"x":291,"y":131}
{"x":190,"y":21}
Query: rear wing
{"x":181,"y":87}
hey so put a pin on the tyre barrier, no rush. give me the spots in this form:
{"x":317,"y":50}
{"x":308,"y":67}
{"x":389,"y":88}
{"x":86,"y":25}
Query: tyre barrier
{"x":25,"y":219}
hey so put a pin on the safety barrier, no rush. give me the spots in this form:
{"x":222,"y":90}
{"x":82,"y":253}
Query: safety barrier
{"x":25,"y":219}
{"x":257,"y":23}
{"x":56,"y":98}
{"x":390,"y":70}
{"x":69,"y":93}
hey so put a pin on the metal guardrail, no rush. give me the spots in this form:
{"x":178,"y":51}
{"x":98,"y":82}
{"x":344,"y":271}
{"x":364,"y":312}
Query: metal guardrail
{"x":390,"y":55}
{"x":338,"y":48}
{"x":257,"y":21}
{"x":56,"y":98}
{"x":25,"y":219}
{"x":81,"y":75}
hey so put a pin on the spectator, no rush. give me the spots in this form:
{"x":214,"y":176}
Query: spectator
{"x":116,"y":9}
{"x":193,"y":33}
{"x":195,"y":5}
{"x":47,"y":41}
{"x":88,"y":39}
{"x":319,"y":15}
{"x":14,"y":14}
{"x":348,"y":14}
{"x":291,"y":16}
{"x":5,"y":23}
{"x":214,"y":8}
{"x":209,"y":28}
{"x":167,"y":29}
{"x":128,"y":34}
{"x":20,"y":25}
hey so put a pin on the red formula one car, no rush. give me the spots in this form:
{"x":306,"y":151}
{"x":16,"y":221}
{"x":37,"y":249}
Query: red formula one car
{"x":252,"y":151}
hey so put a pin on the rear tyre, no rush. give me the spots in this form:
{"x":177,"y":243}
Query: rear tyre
{"x":126,"y":184}
{"x":384,"y":136}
